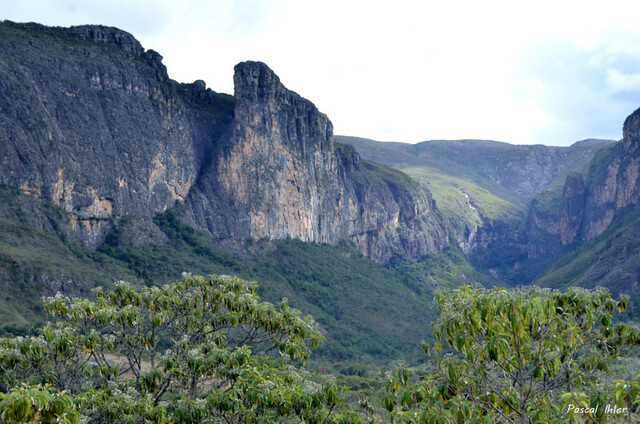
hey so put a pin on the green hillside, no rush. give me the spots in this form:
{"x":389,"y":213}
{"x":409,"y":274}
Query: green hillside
{"x":611,"y":260}
{"x":37,"y":259}
{"x":371,"y":313}
{"x":464,"y":205}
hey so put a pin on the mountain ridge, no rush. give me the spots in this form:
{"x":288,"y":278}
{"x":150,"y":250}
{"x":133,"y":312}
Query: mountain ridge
{"x":472,"y":160}
{"x":123,"y":139}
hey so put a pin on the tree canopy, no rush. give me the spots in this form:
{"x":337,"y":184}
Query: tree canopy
{"x":526,"y":355}
{"x":204,"y":349}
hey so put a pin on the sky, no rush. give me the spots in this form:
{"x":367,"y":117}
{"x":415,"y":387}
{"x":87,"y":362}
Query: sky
{"x":543,"y":72}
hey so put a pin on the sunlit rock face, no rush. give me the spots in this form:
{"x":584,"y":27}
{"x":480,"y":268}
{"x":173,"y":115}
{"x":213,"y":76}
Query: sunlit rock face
{"x":279,"y":174}
{"x":613,"y":182}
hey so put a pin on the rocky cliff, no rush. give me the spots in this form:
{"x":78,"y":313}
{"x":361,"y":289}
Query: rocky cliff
{"x":90,"y":122}
{"x":279,"y":174}
{"x":613,"y":182}
{"x":598,"y":211}
{"x":590,"y":202}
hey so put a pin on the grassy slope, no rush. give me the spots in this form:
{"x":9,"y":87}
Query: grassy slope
{"x":611,"y":260}
{"x":358,"y":302}
{"x":37,"y":259}
{"x":372,"y":313}
{"x":462,"y":203}
{"x":34,"y":263}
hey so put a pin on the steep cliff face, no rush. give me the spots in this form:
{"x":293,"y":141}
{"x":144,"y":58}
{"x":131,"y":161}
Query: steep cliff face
{"x":279,"y":174}
{"x":607,"y":225}
{"x":613,"y":181}
{"x":588,"y":204}
{"x":90,"y":122}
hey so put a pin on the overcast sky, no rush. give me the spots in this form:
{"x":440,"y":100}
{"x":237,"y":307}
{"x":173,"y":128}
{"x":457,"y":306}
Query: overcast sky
{"x":549,"y":72}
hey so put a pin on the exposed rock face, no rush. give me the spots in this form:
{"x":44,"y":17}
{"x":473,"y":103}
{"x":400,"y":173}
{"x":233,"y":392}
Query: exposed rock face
{"x":91,"y":122}
{"x":279,"y":174}
{"x":573,"y":196}
{"x":110,"y":35}
{"x":612,"y":184}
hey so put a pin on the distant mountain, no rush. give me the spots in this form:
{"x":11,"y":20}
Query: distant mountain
{"x":478,"y":183}
{"x":514,"y":172}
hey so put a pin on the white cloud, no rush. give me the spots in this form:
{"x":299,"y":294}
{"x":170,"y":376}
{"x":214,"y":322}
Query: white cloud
{"x":619,"y":82}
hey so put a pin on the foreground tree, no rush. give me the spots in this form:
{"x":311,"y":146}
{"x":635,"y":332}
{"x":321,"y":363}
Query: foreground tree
{"x":527,"y":355}
{"x":204,"y":349}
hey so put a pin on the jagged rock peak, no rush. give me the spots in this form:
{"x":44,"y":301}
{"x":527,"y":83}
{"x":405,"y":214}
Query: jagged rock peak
{"x":256,"y":82}
{"x":124,"y":41}
{"x":631,"y":131}
{"x":111,"y":35}
{"x":259,"y":93}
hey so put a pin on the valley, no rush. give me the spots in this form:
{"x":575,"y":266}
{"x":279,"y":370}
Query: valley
{"x":113,"y":171}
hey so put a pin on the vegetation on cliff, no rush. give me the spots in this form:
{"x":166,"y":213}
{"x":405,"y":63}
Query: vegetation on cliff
{"x":369,"y":310}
